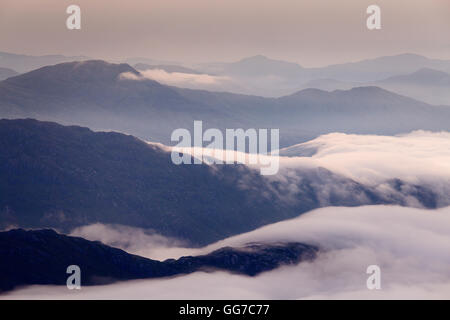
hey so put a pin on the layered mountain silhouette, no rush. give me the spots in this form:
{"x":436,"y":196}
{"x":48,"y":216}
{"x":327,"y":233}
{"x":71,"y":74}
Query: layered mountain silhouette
{"x":6,"y":73}
{"x":67,"y":176}
{"x":63,"y":177}
{"x":425,"y":76}
{"x":42,"y":257}
{"x":107,"y":96}
{"x":426,"y":84}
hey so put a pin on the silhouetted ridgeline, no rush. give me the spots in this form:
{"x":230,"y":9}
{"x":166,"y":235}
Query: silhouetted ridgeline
{"x":42,"y":257}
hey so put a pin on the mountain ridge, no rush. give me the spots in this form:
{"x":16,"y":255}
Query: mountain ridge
{"x":25,"y":63}
{"x":429,"y":85}
{"x":66,"y":177}
{"x":6,"y":73}
{"x":100,"y":95}
{"x":41,"y":257}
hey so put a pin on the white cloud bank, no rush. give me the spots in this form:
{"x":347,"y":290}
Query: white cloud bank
{"x":411,"y":246}
{"x":373,"y":158}
{"x":184,"y":80}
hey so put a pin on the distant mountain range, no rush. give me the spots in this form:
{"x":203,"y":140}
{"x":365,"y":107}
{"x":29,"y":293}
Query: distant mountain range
{"x":64,"y":177}
{"x":42,"y":257}
{"x":380,"y":68}
{"x":98,"y":95}
{"x":263,"y":76}
{"x":361,"y":71}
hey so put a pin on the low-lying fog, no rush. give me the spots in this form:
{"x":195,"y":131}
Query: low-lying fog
{"x":411,"y":246}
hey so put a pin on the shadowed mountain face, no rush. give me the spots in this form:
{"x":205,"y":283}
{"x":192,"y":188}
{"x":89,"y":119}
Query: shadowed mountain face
{"x":66,"y":177}
{"x":263,"y":76}
{"x":42,"y":257}
{"x":98,"y":95}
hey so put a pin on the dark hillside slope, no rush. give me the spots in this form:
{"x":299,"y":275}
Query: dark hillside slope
{"x":42,"y":257}
{"x":64,"y":177}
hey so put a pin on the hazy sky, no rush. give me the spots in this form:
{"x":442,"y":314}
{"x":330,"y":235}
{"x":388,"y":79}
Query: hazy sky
{"x":310,"y":32}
